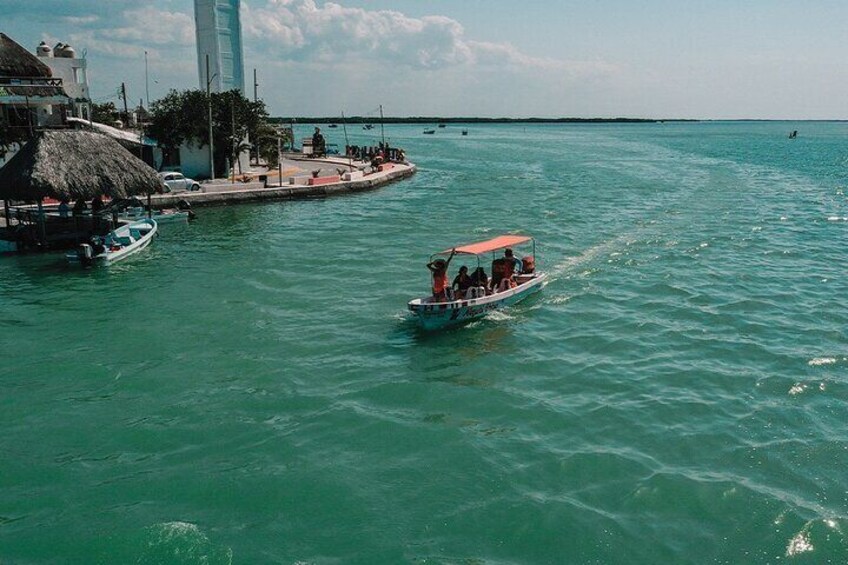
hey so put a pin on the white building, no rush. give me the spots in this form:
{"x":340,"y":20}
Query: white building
{"x":218,"y":29}
{"x":31,"y":98}
{"x":65,"y":65}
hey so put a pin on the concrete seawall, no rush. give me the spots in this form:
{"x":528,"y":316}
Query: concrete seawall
{"x":222,"y":195}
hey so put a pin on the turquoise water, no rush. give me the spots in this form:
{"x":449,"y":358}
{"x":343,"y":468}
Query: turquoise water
{"x":250,"y":390}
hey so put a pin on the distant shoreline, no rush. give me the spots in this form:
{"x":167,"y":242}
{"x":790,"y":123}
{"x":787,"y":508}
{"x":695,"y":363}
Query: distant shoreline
{"x":428,"y":120}
{"x":432,"y":121}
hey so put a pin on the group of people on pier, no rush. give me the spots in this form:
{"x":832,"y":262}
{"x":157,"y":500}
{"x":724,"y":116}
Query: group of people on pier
{"x":382,"y":152}
{"x":504,"y":271}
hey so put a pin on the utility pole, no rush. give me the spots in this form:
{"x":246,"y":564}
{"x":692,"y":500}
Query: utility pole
{"x":254,"y":143}
{"x":347,"y":143}
{"x":382,"y":133}
{"x":146,"y":81}
{"x":233,"y":124}
{"x":140,"y":136}
{"x":126,"y":110}
{"x":209,"y":99}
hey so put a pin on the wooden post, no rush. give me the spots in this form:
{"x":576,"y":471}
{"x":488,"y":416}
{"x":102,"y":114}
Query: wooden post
{"x":42,"y":229}
{"x":149,"y":206}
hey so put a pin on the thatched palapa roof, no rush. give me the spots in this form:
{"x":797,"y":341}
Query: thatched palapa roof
{"x":15,"y":61}
{"x":75,"y":164}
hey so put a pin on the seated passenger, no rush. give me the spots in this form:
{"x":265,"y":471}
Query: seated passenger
{"x":498,"y":271}
{"x":503,"y":271}
{"x":528,"y":265}
{"x":512,"y":263}
{"x":462,"y":281}
{"x":479,"y":278}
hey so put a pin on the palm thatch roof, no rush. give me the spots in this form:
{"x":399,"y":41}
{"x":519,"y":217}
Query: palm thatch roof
{"x":15,"y":61}
{"x":73,"y":164}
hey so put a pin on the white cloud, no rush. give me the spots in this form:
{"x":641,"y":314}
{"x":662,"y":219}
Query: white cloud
{"x":159,"y":27}
{"x":80,"y":20}
{"x":302,"y":31}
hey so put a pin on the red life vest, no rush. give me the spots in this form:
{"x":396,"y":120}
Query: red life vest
{"x":440,"y":281}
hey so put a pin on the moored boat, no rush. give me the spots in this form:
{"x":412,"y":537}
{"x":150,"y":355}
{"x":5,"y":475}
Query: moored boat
{"x":116,"y":245}
{"x":429,"y":131}
{"x":478,"y":301}
{"x":132,"y":209}
{"x":165,"y":216}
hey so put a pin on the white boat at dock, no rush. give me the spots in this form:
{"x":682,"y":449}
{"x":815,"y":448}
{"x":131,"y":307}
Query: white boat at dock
{"x":478,"y":301}
{"x":116,"y":245}
{"x":132,"y":209}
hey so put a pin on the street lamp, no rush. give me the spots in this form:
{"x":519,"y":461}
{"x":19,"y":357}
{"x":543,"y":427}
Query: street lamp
{"x":209,"y":97}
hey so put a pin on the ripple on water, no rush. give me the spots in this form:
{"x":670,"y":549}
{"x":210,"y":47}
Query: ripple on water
{"x":675,"y":392}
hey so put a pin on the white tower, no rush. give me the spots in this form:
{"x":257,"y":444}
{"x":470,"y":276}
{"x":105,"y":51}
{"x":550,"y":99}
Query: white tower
{"x":218,"y":29}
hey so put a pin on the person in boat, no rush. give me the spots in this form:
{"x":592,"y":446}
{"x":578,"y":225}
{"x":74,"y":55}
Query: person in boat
{"x":439,"y":268}
{"x":507,"y":267}
{"x":479,"y":278}
{"x":528,"y":265}
{"x":512,"y":261}
{"x":461,"y":282}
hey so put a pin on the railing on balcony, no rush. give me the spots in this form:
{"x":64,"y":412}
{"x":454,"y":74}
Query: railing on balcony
{"x":30,"y":81}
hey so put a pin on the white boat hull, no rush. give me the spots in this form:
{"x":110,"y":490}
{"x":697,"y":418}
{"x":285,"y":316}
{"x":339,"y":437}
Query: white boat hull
{"x":437,"y":315}
{"x":132,"y":238}
{"x":137,"y":214}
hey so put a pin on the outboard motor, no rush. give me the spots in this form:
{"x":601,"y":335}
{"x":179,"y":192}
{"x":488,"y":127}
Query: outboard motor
{"x":85,"y":254}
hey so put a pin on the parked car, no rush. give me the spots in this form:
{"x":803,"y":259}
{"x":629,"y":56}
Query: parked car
{"x":176,"y":182}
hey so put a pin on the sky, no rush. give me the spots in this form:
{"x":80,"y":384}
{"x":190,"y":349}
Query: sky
{"x":704,"y":59}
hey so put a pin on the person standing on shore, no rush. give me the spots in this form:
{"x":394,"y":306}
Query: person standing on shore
{"x":317,"y":143}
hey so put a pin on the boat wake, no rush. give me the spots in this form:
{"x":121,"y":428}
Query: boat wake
{"x":572,"y":264}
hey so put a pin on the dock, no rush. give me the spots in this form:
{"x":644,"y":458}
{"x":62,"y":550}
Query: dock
{"x":301,"y":180}
{"x":312,"y":178}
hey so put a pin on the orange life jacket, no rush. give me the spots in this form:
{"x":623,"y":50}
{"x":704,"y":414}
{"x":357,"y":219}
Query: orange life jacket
{"x":440,"y":281}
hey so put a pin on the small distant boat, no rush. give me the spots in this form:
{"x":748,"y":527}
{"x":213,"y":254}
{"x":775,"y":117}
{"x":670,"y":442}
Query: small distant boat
{"x":368,"y":126}
{"x":465,"y":132}
{"x":333,"y":126}
{"x":429,"y":131}
{"x":479,"y":301}
{"x":116,"y":245}
{"x":442,"y":125}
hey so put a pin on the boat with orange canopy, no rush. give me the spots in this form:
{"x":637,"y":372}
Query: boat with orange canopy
{"x":477,"y":301}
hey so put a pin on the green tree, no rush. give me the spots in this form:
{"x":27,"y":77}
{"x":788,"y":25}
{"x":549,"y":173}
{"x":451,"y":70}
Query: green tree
{"x":105,"y":113}
{"x":182,"y":117}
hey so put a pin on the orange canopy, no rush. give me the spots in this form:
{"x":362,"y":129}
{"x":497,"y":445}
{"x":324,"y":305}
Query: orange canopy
{"x":500,"y":242}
